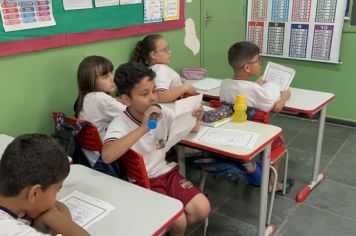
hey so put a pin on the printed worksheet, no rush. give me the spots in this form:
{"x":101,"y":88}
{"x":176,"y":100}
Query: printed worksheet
{"x":152,"y":11}
{"x":227,"y":137}
{"x":26,"y":14}
{"x":85,"y":209}
{"x":170,"y":10}
{"x":278,"y":78}
{"x":77,"y":4}
{"x":106,"y":3}
{"x":125,"y":2}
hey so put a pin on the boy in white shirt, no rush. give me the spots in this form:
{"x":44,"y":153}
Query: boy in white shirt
{"x":136,"y":87}
{"x":244,"y":58}
{"x":32,"y":170}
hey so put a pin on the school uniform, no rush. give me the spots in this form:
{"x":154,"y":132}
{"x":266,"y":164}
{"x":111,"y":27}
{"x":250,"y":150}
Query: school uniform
{"x":255,"y":95}
{"x":166,"y":77}
{"x":99,"y":108}
{"x":11,"y":225}
{"x":164,"y":176}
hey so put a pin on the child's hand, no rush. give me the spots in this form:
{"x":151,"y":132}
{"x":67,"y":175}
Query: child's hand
{"x":198,"y":113}
{"x":151,"y":109}
{"x":260,"y":81}
{"x":188,"y":88}
{"x":285,"y":95}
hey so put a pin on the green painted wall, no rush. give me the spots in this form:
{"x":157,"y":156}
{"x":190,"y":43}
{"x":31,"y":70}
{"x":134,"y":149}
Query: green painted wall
{"x":35,"y":84}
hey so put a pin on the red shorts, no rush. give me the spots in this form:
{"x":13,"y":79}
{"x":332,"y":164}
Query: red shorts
{"x":174,"y":185}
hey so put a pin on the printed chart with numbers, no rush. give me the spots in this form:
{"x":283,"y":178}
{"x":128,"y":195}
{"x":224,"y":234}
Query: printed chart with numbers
{"x":297,"y":29}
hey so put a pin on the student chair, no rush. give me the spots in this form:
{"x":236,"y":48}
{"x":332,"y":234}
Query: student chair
{"x":135,"y":168}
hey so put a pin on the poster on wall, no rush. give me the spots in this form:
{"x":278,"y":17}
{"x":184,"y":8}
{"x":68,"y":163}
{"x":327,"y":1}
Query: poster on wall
{"x":297,"y":29}
{"x":29,"y":14}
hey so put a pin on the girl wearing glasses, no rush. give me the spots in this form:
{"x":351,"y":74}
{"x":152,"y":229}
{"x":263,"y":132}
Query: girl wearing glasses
{"x":153,"y":51}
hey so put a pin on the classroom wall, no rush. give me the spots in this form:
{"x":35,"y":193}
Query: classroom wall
{"x":35,"y":84}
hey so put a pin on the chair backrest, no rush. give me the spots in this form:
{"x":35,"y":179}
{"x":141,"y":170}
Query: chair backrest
{"x":88,"y":138}
{"x":135,"y":168}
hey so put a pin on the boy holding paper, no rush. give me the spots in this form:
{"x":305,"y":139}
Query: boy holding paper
{"x":246,"y":62}
{"x":129,"y":130}
{"x":244,"y":58}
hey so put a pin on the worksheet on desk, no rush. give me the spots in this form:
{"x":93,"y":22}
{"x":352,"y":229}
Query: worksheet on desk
{"x":85,"y":209}
{"x":227,"y":137}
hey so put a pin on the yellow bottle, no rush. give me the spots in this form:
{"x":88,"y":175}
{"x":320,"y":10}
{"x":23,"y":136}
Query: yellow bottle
{"x":240,"y":108}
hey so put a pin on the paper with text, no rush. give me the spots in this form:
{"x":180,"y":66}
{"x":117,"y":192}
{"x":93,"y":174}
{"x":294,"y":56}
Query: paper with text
{"x":152,"y":11}
{"x":278,"y":78}
{"x":207,"y":84}
{"x":170,"y":10}
{"x":183,"y":121}
{"x":77,"y":4}
{"x":228,"y":137}
{"x":106,"y":3}
{"x":125,"y":2}
{"x":85,"y":209}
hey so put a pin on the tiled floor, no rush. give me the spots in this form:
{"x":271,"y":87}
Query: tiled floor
{"x":330,"y":209}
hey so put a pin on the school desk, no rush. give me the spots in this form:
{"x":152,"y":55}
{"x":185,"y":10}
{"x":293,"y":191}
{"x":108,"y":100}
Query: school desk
{"x":307,"y":102}
{"x":267,"y":133}
{"x":138,"y":211}
{"x":4,"y":141}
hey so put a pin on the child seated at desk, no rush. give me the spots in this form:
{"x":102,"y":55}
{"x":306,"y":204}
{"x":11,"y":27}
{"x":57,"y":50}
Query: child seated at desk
{"x":96,"y":104}
{"x":32,"y":170}
{"x":153,"y":51}
{"x":136,"y":87}
{"x":245,"y":60}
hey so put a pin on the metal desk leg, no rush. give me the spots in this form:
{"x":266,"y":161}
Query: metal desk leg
{"x":264,"y":191}
{"x":317,"y":177}
{"x":181,"y":159}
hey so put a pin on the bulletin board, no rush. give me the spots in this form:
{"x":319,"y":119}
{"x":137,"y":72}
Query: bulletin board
{"x":83,"y":26}
{"x":299,"y":29}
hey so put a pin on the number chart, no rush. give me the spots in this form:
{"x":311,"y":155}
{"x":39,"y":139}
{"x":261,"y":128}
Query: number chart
{"x":297,"y":29}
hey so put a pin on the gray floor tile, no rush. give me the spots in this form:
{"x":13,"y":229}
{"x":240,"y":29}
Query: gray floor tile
{"x":342,"y":172}
{"x":334,"y":197}
{"x":331,"y":131}
{"x":348,"y":150}
{"x":222,"y":225}
{"x":308,"y":221}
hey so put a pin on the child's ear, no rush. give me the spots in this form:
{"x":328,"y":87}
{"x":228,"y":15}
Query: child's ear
{"x":152,"y":55}
{"x":125,"y":99}
{"x":34,"y":192}
{"x":246,"y":68}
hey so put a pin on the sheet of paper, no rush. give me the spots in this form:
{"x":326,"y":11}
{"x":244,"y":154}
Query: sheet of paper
{"x":183,"y":121}
{"x":170,"y":10}
{"x":227,"y":137}
{"x":152,"y":11}
{"x":26,"y":14}
{"x":279,"y":75}
{"x":106,"y":3}
{"x":125,"y":2}
{"x":85,"y":209}
{"x":77,"y":4}
{"x":207,"y":84}
{"x":191,"y":40}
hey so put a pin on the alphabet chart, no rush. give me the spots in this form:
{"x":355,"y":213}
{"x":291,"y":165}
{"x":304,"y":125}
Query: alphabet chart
{"x":297,"y":29}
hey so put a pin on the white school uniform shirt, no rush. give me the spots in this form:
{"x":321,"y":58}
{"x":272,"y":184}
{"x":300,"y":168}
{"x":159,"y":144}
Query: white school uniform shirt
{"x":255,"y":95}
{"x":154,"y":159}
{"x":99,"y":109}
{"x":166,"y":77}
{"x":10,"y":226}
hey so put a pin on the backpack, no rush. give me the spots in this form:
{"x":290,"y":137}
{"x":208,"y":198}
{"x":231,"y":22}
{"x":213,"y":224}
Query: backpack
{"x":66,"y":134}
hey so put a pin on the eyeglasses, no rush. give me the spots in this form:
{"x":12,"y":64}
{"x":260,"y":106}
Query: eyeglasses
{"x":259,"y":61}
{"x":165,"y":50}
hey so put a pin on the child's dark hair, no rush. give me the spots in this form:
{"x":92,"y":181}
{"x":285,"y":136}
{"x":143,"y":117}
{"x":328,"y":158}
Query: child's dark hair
{"x":129,"y":74}
{"x":89,"y":70}
{"x":141,"y":53}
{"x":241,"y":53}
{"x":32,"y":159}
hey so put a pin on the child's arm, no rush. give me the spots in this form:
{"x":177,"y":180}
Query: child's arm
{"x":58,"y":220}
{"x":115,"y":149}
{"x":198,"y":113}
{"x":285,"y":95}
{"x":172,"y":94}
